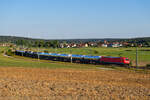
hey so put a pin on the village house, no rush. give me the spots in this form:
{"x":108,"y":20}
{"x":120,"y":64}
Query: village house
{"x":104,"y":45}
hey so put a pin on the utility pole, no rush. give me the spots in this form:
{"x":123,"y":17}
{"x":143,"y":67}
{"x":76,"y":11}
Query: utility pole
{"x":38,"y":54}
{"x":136,"y":57}
{"x":71,"y":58}
{"x":70,"y":55}
{"x":28,"y":42}
{"x":23,"y":49}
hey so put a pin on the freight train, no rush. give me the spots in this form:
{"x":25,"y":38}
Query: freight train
{"x":86,"y":59}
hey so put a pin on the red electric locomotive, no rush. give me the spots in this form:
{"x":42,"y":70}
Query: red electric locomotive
{"x":115,"y":60}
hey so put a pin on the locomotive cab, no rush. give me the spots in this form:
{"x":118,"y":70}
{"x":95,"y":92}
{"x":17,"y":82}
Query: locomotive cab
{"x":115,"y":60}
{"x":126,"y":61}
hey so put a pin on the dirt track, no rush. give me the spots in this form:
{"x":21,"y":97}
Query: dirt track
{"x":71,"y":84}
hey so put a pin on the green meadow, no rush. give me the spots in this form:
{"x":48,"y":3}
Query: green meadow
{"x":16,"y":61}
{"x":143,"y":53}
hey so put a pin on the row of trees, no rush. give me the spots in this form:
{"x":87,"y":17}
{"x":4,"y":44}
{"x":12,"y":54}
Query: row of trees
{"x":30,"y":42}
{"x":55,"y":43}
{"x":38,"y":43}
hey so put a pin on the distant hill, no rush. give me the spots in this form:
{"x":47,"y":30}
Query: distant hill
{"x":13,"y":39}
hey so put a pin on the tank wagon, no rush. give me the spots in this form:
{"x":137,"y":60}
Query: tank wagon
{"x":86,"y":59}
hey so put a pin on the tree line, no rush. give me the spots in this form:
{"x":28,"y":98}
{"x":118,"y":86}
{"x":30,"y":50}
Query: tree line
{"x":38,"y":43}
{"x":30,"y":42}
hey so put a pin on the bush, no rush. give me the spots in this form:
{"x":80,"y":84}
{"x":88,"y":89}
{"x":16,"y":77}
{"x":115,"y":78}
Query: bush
{"x":148,"y":66}
{"x":9,"y":52}
{"x":2,"y":51}
{"x":96,"y":52}
{"x":130,"y":64}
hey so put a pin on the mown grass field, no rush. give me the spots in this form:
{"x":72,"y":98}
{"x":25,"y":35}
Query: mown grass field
{"x":17,"y":61}
{"x":143,"y":56}
{"x":143,"y":53}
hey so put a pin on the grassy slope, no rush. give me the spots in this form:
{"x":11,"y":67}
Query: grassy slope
{"x":143,"y":56}
{"x":18,"y":61}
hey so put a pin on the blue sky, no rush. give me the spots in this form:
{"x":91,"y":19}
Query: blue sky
{"x":63,"y":19}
